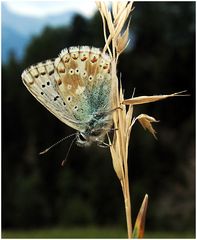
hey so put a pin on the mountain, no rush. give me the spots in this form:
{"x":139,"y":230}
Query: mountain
{"x":18,"y":29}
{"x":13,"y":41}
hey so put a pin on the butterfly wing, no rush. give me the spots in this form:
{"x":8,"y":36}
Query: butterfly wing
{"x":42,"y":81}
{"x":74,"y":87}
{"x":85,"y":81}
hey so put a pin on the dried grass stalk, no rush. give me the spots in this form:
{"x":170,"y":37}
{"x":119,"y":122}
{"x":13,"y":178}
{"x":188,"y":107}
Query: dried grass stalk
{"x":115,"y":19}
{"x":115,"y":43}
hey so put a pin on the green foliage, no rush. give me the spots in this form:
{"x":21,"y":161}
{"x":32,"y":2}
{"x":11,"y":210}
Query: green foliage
{"x":88,"y":232}
{"x":38,"y":192}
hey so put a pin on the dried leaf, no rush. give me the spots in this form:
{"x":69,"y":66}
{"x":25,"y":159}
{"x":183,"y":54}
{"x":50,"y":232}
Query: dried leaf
{"x":120,"y":11}
{"x":148,"y":99}
{"x":110,"y":23}
{"x":146,"y":121}
{"x":138,"y":231}
{"x":121,"y":5}
{"x":115,"y":8}
{"x":116,"y":163}
{"x":98,"y":4}
{"x":130,"y":8}
{"x":121,"y":21}
{"x":123,"y":40}
{"x":103,"y":8}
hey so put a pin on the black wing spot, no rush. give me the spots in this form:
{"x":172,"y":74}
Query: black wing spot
{"x":42,"y":93}
{"x":69,"y":98}
{"x":43,"y":85}
{"x":48,"y":83}
{"x":75,"y":108}
{"x":55,"y":98}
{"x":51,"y":72}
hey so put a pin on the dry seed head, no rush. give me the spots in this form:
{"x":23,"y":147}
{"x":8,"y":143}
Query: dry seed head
{"x":117,"y":165}
{"x":115,"y":9}
{"x":154,"y":98}
{"x":122,"y":5}
{"x":123,"y":40}
{"x":110,"y":24}
{"x":129,"y":8}
{"x":146,"y":122}
{"x":103,"y":8}
{"x":98,"y":4}
{"x":120,"y":24}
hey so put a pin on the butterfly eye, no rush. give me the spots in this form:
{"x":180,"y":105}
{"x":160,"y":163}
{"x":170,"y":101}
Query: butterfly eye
{"x":82,"y":138}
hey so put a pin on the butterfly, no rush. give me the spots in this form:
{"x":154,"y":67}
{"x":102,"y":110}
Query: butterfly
{"x":77,"y":88}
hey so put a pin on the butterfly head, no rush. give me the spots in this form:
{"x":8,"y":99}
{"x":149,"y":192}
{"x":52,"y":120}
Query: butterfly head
{"x":85,"y":140}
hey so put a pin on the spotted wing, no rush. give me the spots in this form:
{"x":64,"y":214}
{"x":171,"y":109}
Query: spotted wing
{"x":42,"y":81}
{"x":85,"y":81}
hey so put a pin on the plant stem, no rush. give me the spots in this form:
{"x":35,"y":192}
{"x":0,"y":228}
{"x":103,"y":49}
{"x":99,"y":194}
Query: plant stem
{"x":127,"y":201}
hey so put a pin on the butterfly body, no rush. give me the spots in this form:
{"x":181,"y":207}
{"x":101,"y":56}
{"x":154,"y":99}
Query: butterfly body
{"x":76,"y":88}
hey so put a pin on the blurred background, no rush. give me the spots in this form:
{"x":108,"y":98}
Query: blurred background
{"x":84,"y":199}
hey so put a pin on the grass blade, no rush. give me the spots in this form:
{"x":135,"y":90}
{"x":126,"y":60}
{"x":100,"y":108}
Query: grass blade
{"x":138,"y":231}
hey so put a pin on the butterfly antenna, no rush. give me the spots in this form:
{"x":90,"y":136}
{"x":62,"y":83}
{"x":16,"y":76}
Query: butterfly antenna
{"x":63,"y":162}
{"x":47,"y":149}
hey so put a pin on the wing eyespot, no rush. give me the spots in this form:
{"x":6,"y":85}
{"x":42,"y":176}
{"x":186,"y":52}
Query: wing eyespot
{"x":77,"y":71}
{"x":71,"y":71}
{"x":90,"y":78}
{"x":69,"y":98}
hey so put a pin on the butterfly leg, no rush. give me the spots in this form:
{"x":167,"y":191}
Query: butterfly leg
{"x":104,"y":145}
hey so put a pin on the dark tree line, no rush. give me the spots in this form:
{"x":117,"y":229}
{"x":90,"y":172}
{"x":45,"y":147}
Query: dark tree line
{"x":38,"y":192}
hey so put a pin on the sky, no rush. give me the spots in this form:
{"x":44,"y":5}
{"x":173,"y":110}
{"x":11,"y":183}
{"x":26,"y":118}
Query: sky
{"x":44,"y":8}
